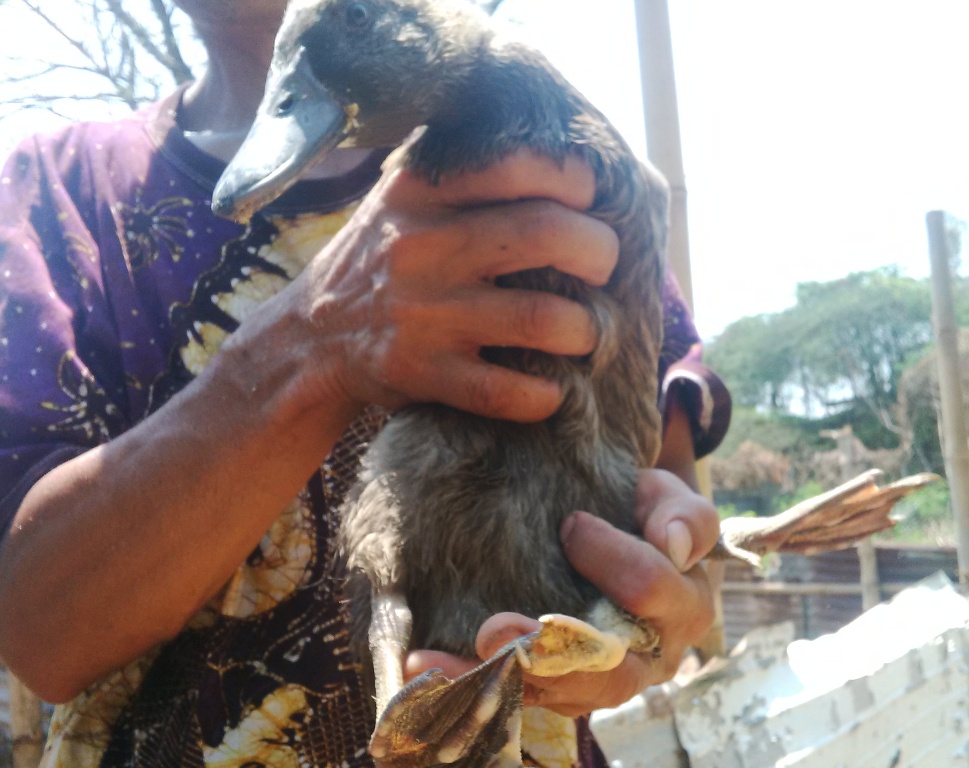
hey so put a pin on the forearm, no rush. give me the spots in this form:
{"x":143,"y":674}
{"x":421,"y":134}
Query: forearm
{"x":115,"y":550}
{"x":677,"y":454}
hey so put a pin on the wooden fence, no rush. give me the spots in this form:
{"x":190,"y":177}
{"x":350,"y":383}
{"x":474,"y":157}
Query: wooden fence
{"x":822,"y":593}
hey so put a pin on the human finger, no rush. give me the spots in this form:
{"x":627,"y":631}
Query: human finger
{"x":579,"y":693}
{"x":495,"y":239}
{"x":420,"y":661}
{"x":471,"y":384}
{"x":636,"y":576}
{"x":521,"y":175}
{"x":674,"y":518}
{"x":499,"y":630}
{"x":511,"y":237}
{"x":518,"y":318}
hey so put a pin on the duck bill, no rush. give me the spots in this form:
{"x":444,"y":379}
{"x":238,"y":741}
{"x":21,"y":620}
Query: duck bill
{"x":297,"y":123}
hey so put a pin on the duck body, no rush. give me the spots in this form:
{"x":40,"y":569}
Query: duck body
{"x":469,"y":507}
{"x":456,"y":517}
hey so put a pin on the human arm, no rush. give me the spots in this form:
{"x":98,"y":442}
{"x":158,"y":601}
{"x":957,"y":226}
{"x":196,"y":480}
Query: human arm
{"x":113,"y":551}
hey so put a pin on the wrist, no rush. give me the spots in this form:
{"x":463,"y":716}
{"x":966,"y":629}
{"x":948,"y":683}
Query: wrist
{"x":276,"y":368}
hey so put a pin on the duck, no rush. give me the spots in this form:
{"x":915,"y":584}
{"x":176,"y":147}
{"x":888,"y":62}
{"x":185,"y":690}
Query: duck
{"x":455,"y":517}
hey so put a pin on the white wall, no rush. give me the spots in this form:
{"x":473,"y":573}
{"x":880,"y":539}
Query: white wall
{"x":889,"y":689}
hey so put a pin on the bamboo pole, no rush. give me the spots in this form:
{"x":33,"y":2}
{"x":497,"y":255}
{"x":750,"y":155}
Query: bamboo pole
{"x":26,"y":731}
{"x":955,"y":449}
{"x":662,"y":120}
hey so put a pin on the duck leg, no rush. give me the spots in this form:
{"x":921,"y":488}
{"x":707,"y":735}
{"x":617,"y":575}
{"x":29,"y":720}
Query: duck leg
{"x":389,"y":634}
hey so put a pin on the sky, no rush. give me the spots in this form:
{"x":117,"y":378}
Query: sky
{"x":816,"y":133}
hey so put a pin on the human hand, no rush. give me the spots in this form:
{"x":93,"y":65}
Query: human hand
{"x":656,"y":578}
{"x":401,"y":301}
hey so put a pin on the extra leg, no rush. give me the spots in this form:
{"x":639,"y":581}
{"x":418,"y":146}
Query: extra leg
{"x":390,"y":627}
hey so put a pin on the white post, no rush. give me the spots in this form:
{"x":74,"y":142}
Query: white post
{"x":661,"y":116}
{"x":662,"y":120}
{"x":955,"y":449}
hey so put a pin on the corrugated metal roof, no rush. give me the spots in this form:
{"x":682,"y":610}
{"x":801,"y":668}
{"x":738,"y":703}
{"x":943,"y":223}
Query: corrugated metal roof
{"x":890,"y":689}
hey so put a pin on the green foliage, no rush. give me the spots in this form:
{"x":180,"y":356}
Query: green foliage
{"x":859,"y":331}
{"x":749,"y":356}
{"x":732,"y":510}
{"x":924,"y":517}
{"x":803,"y":493}
{"x":960,"y":293}
{"x":844,"y":343}
{"x":854,"y":351}
{"x":779,"y":432}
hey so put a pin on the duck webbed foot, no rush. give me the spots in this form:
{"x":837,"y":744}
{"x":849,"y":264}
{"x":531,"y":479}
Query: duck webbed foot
{"x":475,"y":719}
{"x":565,"y":644}
{"x":833,"y":520}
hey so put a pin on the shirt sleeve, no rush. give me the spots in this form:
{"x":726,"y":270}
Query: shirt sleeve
{"x":60,"y":387}
{"x":684,"y":375}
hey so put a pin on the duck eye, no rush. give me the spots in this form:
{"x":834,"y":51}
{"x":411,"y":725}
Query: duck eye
{"x":358,"y":15}
{"x":286,"y":105}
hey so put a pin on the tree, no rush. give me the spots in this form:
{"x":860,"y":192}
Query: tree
{"x":752,"y":357}
{"x":858,"y":334}
{"x":918,"y":402}
{"x":125,"y":52}
{"x":837,"y":357}
{"x":108,"y":51}
{"x":842,"y":346}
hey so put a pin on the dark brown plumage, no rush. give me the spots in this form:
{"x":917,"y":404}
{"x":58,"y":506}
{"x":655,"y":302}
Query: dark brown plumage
{"x":456,"y":517}
{"x":456,"y":514}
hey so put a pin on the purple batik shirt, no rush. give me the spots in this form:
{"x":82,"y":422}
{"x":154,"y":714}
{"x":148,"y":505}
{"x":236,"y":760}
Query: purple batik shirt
{"x":117,"y":284}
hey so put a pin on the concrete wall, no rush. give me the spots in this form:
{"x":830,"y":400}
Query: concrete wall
{"x":889,"y":690}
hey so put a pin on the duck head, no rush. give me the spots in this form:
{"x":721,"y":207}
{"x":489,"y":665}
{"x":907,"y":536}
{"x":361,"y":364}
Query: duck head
{"x":349,"y":72}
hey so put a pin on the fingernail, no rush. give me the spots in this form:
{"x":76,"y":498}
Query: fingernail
{"x":679,"y":544}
